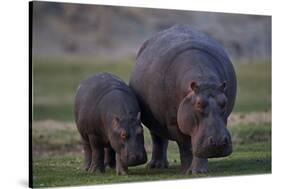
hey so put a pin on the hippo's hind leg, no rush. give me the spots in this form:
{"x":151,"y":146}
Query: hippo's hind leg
{"x":109,"y":157}
{"x":97,"y":155}
{"x":87,"y":154}
{"x":159,"y":152}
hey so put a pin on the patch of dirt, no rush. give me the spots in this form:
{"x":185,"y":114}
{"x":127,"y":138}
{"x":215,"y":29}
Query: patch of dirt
{"x":53,"y":125}
{"x":249,"y":118}
{"x":234,"y":119}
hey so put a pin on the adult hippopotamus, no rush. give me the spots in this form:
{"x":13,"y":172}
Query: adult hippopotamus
{"x":186,"y":88}
{"x":107,"y":116}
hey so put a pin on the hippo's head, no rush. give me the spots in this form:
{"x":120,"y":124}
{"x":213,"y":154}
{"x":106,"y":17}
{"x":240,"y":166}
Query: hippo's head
{"x":202,"y":114}
{"x":127,"y":139}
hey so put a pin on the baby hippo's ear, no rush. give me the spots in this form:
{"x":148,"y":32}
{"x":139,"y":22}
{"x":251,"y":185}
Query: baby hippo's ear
{"x":139,"y":116}
{"x":193,"y":86}
{"x":116,"y":123}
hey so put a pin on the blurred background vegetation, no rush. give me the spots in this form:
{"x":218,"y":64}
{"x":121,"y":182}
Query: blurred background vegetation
{"x":76,"y":30}
{"x":73,"y":41}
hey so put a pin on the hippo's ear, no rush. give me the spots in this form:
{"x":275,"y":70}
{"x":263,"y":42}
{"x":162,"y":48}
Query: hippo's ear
{"x":117,"y":119}
{"x":115,"y":122}
{"x":139,"y":116}
{"x":223,"y":86}
{"x":193,"y":86}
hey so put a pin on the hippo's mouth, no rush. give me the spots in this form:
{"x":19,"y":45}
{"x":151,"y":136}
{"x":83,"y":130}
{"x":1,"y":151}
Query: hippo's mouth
{"x":135,"y":163}
{"x":213,"y":151}
{"x":137,"y":160}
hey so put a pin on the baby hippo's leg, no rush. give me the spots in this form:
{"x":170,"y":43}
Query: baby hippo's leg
{"x":121,"y":167}
{"x":87,"y":154}
{"x":97,"y":155}
{"x":109,"y":157}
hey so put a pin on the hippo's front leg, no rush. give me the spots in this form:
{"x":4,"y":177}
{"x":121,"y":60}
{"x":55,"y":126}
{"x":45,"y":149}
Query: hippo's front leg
{"x":198,"y":166}
{"x":190,"y":163}
{"x":185,"y":156}
{"x":109,"y":158}
{"x":121,"y":168}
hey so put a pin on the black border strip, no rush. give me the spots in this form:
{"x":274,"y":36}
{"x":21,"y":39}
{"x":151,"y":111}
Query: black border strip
{"x":30,"y":94}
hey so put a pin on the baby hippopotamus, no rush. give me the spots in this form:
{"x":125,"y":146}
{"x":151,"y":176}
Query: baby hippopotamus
{"x":107,"y":116}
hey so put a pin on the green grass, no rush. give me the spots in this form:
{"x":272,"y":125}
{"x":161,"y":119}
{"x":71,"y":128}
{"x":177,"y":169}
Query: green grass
{"x":251,"y":155}
{"x":55,"y":83}
{"x":253,"y":87}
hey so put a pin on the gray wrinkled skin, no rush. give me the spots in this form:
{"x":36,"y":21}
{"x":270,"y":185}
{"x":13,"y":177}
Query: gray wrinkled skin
{"x":107,"y":116}
{"x":186,"y":87}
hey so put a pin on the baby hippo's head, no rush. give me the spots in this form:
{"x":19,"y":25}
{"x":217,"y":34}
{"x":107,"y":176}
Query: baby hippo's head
{"x":127,"y":140}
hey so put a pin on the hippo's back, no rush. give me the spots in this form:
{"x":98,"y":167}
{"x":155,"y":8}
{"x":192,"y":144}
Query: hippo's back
{"x":157,"y":53}
{"x":93,"y":89}
{"x":156,"y":57}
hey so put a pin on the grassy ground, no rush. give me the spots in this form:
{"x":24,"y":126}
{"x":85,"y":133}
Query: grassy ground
{"x":57,"y":154}
{"x":61,"y":159}
{"x":254,"y":87}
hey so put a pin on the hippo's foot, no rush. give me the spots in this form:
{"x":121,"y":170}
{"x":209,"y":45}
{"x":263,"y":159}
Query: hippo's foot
{"x":86,"y":167}
{"x":109,"y":158}
{"x":159,"y":152}
{"x":121,"y":171}
{"x":87,"y":155}
{"x":157,"y":164}
{"x":110,"y":165}
{"x":199,"y":171}
{"x":94,"y":167}
{"x":198,"y":166}
{"x":121,"y":168}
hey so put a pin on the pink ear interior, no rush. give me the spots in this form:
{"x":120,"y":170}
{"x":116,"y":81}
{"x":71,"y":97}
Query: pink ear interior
{"x":193,"y":86}
{"x":115,"y":124}
{"x":117,"y":119}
